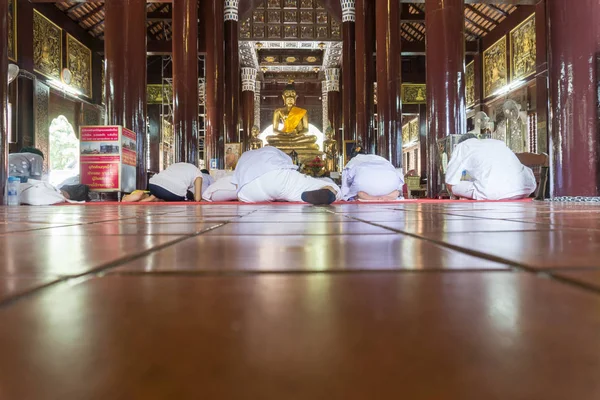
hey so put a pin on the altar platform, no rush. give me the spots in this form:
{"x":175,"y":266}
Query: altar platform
{"x":413,"y":300}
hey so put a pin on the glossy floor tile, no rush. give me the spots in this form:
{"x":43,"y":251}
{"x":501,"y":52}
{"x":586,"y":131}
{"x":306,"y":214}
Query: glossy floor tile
{"x":427,"y":300}
{"x":416,"y":336}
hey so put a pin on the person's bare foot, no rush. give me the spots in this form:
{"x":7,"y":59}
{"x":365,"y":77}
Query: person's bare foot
{"x":150,"y":199}
{"x":138,"y":195}
{"x":388,"y":197}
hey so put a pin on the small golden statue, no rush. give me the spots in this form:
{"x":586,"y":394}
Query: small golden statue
{"x":255,"y":142}
{"x":294,"y":134}
{"x":330,"y":147}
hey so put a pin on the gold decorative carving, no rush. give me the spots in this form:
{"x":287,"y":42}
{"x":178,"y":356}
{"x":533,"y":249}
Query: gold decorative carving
{"x":47,"y":46}
{"x":154,"y":94}
{"x":405,"y":135}
{"x":413,"y":93}
{"x":12,"y":30}
{"x":494,"y":67}
{"x":79,"y":62}
{"x":470,"y":84}
{"x":414,"y":131}
{"x":103,"y":82}
{"x":523,"y":49}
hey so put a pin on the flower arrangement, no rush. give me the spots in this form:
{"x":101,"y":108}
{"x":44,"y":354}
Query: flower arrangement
{"x":314,"y":167}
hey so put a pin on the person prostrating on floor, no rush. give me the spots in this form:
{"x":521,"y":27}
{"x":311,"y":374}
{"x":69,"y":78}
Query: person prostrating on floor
{"x":268,"y":174}
{"x":368,"y":177}
{"x":487,"y":169}
{"x":179,"y":182}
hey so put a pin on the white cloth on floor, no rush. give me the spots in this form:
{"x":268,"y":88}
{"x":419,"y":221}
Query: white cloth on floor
{"x":178,"y":178}
{"x":256,"y":163}
{"x":495,"y":171}
{"x":38,"y":193}
{"x":221,"y":190}
{"x":282,"y":185}
{"x":371,"y":174}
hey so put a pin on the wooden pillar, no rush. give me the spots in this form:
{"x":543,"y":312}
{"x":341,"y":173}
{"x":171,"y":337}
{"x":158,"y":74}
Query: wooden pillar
{"x":542,"y":77}
{"x":214,"y":141}
{"x":445,"y":52}
{"x":248,"y":87}
{"x":365,"y":73}
{"x":232,"y":71}
{"x":3,"y":99}
{"x":383,"y":109}
{"x":115,"y":60}
{"x":125,"y":53}
{"x":394,"y":82}
{"x":185,"y":80}
{"x":349,"y":69}
{"x":135,"y":107}
{"x":332,"y":77}
{"x":574,"y":45}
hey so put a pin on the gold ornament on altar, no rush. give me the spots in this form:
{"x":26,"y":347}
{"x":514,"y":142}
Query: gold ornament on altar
{"x":255,"y":142}
{"x":523,"y":49}
{"x":330,"y":148}
{"x":290,"y":128}
{"x":494,"y":68}
{"x":79,"y":62}
{"x":47,"y":46}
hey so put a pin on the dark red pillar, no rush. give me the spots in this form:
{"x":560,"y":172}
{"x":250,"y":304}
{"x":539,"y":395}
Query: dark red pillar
{"x":185,"y":80}
{"x":394,"y":82}
{"x":349,"y":69}
{"x":232,"y":72}
{"x":114,"y":60}
{"x":3,"y":98}
{"x":365,"y":73}
{"x":248,"y":87}
{"x":135,"y":107}
{"x":214,"y":141}
{"x":541,"y":80}
{"x":125,"y":53}
{"x":574,"y":46}
{"x":383,"y":106}
{"x":445,"y":52}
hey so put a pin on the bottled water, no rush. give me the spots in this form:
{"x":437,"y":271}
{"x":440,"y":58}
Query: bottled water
{"x":12,"y":191}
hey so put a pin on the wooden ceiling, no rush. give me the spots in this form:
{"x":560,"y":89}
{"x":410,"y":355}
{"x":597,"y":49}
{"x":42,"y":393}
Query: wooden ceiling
{"x":480,"y":19}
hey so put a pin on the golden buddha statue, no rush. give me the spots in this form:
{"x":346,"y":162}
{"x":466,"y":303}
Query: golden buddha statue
{"x":330,"y":148}
{"x":255,"y":142}
{"x":294,"y":133}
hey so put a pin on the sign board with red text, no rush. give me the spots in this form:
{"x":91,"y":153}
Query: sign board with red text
{"x":108,"y":156}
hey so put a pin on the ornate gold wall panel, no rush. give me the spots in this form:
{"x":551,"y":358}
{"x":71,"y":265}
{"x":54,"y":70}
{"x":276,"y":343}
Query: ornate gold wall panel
{"x":12,"y":30}
{"x":523,"y":49}
{"x":47,"y":46}
{"x":413,"y":93}
{"x":414,"y":130}
{"x":494,"y":67}
{"x":42,"y":122}
{"x":470,"y":84}
{"x":79,"y":62}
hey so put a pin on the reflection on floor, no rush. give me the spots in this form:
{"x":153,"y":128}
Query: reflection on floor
{"x":398,"y":301}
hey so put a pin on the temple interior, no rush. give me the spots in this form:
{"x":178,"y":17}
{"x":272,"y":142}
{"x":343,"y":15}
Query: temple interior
{"x":427,"y":297}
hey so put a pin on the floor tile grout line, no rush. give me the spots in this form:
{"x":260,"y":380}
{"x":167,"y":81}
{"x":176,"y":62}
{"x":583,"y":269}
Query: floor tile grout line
{"x":517,"y":265}
{"x":104,"y":267}
{"x":303,"y":272}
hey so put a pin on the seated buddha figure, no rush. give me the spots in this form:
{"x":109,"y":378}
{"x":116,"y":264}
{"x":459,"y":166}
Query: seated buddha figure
{"x":294,"y":133}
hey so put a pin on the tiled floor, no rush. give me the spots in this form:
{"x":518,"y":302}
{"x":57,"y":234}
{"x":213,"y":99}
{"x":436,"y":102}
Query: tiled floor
{"x":402,"y":301}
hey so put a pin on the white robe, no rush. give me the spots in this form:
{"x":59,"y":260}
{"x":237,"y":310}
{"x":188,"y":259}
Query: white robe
{"x":371,"y":174}
{"x":268,"y":174}
{"x":496,"y":172}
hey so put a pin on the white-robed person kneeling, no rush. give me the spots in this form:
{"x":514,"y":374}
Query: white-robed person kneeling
{"x":368,"y":177}
{"x":487,"y":169}
{"x":268,"y":174}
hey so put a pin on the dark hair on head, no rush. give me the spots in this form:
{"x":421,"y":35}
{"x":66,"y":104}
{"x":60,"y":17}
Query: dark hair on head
{"x":467,"y":136}
{"x":32,"y":150}
{"x":204,"y":171}
{"x":290,"y":86}
{"x":356,"y":150}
